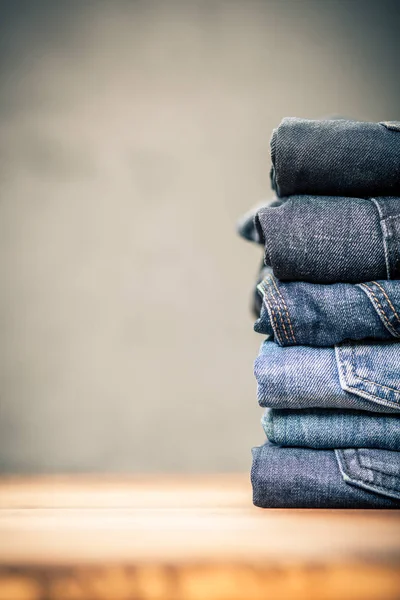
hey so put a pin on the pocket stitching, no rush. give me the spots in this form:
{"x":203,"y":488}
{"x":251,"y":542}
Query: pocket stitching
{"x":388,"y":300}
{"x":397,"y":391}
{"x":278,"y":307}
{"x":274,"y":318}
{"x":286,"y":308}
{"x":352,"y":388}
{"x":375,"y":470}
{"x":372,"y":484}
{"x":382,"y":311}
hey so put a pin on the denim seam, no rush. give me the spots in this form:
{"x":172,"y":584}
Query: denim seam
{"x":353,"y":389}
{"x":390,"y":233}
{"x":342,"y":457}
{"x":279,"y":307}
{"x":384,"y":236}
{"x":375,"y":470}
{"x":284,"y":321}
{"x":391,"y":217}
{"x":380,"y":308}
{"x":382,"y":311}
{"x":386,"y":387}
{"x":388,"y":300}
{"x":286,"y":308}
{"x":274,"y":319}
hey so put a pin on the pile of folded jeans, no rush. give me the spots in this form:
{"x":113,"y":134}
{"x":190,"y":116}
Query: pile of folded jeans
{"x":328,"y":373}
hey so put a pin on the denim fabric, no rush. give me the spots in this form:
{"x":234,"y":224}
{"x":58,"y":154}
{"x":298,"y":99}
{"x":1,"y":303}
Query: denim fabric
{"x":330,"y":428}
{"x":246,"y":226}
{"x":336,"y":157}
{"x":325,"y":239}
{"x":360,"y":376}
{"x":324,"y":315}
{"x":257,"y":300}
{"x":306,"y":478}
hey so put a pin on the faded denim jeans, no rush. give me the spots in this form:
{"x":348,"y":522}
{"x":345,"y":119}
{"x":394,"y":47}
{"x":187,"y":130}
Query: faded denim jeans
{"x":330,"y":428}
{"x":356,"y":376}
{"x":331,"y":375}
{"x":307,"y":478}
{"x":336,"y":158}
{"x":298,"y":313}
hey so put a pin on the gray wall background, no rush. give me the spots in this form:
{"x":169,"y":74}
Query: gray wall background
{"x":132,"y":136}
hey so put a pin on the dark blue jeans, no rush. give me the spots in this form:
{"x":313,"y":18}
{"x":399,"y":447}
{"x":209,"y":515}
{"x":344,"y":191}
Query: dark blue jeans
{"x":336,"y":158}
{"x":299,"y":313}
{"x":305,"y":478}
{"x":326,"y":239}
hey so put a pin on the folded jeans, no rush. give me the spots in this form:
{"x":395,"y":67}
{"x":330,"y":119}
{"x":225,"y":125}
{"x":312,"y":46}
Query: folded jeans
{"x":326,"y":239}
{"x":331,"y":428}
{"x":352,"y":375}
{"x":307,"y":478}
{"x":300,"y":313}
{"x":336,"y":157}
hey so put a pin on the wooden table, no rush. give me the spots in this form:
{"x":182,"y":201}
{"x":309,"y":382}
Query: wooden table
{"x":186,"y":538}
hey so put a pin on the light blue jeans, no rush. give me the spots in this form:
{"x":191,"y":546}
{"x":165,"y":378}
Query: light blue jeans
{"x":360,"y":376}
{"x":330,"y":428}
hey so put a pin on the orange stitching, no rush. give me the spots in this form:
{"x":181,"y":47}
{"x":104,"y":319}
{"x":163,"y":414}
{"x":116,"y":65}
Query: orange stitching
{"x":380,"y":308}
{"x":273,"y":316}
{"x":378,"y":384}
{"x":286,"y":309}
{"x":388,"y":300}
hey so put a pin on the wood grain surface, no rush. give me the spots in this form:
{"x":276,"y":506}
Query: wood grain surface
{"x":188,"y":538}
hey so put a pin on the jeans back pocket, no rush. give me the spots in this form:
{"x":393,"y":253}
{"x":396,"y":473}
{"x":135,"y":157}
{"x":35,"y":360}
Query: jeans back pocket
{"x":371,"y":371}
{"x":374,"y":470}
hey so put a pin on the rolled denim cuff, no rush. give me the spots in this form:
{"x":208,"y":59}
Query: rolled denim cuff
{"x":330,"y":428}
{"x":337,"y":157}
{"x":299,"y":313}
{"x":324,"y":239}
{"x":356,"y":376}
{"x":246,"y":226}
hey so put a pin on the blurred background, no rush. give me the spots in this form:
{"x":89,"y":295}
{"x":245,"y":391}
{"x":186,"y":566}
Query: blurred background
{"x":132,"y":136}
